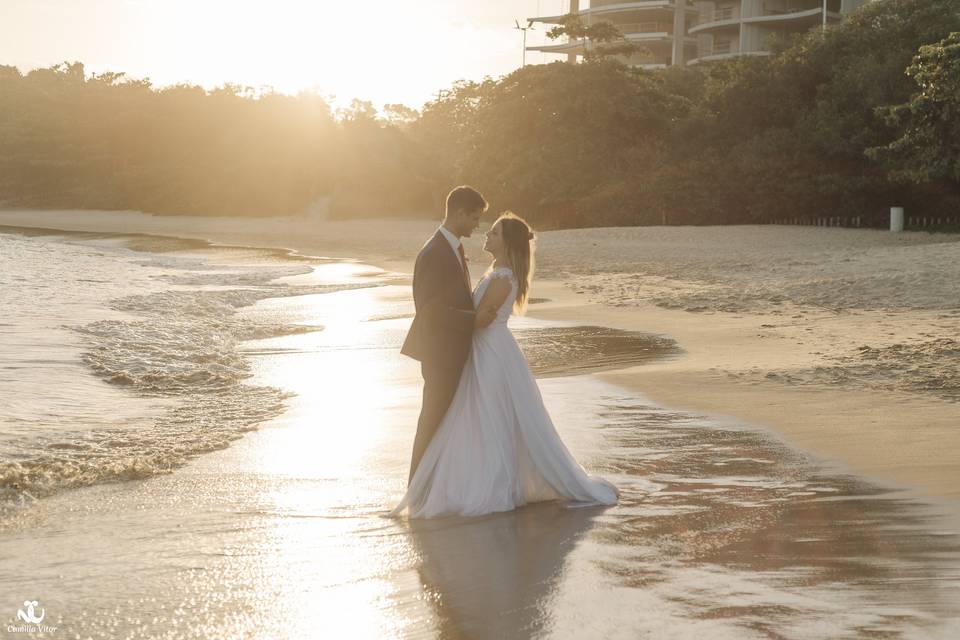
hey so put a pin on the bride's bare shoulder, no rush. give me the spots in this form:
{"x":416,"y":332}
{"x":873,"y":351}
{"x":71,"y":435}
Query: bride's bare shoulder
{"x":496,"y":292}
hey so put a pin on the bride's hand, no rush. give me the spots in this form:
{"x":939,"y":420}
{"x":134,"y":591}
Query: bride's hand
{"x":484,"y":318}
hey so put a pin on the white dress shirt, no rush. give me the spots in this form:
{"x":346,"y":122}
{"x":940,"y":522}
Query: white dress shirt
{"x":453,"y":240}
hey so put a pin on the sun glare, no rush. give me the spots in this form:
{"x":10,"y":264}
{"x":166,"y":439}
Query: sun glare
{"x":380,"y":51}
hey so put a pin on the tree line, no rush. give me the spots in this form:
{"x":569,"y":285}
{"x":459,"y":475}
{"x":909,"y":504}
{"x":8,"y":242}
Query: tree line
{"x":845,"y":121}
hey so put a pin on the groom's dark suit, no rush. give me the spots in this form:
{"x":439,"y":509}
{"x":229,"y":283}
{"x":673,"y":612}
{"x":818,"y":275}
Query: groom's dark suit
{"x":441,"y":333}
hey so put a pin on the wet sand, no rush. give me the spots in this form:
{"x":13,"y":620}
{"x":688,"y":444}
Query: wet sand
{"x":723,"y":530}
{"x":770,"y":320}
{"x":896,"y":437}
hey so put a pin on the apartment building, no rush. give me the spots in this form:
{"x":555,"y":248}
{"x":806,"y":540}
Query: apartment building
{"x":671,"y":32}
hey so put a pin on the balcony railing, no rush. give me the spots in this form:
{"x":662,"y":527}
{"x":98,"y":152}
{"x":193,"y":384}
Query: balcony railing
{"x":718,"y":48}
{"x":604,"y":3}
{"x":645,"y":27}
{"x":784,"y":12}
{"x":783,"y":9}
{"x":723,"y":13}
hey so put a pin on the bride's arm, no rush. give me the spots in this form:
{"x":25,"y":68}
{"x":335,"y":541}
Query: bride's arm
{"x":497,"y":291}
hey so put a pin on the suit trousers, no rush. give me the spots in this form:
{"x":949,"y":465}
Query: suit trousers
{"x":440,"y":384}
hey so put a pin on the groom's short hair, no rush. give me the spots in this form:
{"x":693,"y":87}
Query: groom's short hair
{"x":464,"y":198}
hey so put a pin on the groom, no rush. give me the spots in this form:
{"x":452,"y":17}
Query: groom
{"x":442,"y":329}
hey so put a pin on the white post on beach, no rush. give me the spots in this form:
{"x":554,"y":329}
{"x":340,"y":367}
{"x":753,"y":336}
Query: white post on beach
{"x":896,"y":219}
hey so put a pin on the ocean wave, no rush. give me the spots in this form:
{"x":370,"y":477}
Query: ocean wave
{"x":180,"y":346}
{"x":246,"y":277}
{"x":204,"y":422}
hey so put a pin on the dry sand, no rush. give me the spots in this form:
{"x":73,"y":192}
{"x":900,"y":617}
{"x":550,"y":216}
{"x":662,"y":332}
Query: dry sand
{"x":843,"y":341}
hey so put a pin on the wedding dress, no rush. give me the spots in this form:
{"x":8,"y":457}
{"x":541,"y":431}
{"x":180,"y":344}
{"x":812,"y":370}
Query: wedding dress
{"x":496,"y":448}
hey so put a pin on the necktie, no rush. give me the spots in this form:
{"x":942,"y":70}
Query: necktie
{"x":463,"y":263}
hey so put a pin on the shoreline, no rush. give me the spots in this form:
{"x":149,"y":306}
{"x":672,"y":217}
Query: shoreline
{"x":870,"y":433}
{"x":899,"y":438}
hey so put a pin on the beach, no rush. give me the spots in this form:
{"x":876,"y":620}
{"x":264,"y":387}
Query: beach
{"x":213,"y":422}
{"x":720,"y":399}
{"x":844,"y":341}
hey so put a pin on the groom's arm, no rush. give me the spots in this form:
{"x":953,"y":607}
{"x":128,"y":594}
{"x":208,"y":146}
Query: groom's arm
{"x":428,"y":295}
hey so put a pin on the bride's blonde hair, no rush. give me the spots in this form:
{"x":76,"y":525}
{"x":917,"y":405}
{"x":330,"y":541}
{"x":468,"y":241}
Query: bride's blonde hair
{"x":518,"y":239}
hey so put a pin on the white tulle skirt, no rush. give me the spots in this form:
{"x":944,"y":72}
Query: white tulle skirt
{"x":496,"y":448}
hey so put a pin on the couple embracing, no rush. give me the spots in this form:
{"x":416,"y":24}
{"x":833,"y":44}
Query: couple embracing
{"x":484,"y":441}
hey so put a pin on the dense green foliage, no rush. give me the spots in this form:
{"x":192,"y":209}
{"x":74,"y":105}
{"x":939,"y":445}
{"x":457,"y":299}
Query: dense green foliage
{"x":102,"y":141}
{"x":752,"y":139}
{"x":844,"y":122}
{"x":603,"y":39}
{"x":929,"y":147}
{"x":105,"y":142}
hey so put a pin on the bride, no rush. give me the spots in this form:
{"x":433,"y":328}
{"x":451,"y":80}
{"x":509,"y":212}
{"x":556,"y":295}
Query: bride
{"x":496,"y":448}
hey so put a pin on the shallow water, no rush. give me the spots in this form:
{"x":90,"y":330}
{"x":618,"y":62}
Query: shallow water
{"x":160,"y":328}
{"x":722,"y":531}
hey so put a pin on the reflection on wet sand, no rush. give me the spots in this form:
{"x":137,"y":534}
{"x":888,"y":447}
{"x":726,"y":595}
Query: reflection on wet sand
{"x":737,"y":526}
{"x":722,"y":531}
{"x":492,"y":576}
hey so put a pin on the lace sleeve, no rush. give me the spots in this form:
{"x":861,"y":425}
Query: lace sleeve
{"x":503,"y":272}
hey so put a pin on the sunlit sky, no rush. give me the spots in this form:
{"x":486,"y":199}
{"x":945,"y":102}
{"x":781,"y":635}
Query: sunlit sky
{"x":379,"y":50}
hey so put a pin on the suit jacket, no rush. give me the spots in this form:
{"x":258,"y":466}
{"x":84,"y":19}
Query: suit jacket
{"x":442,"y":329}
